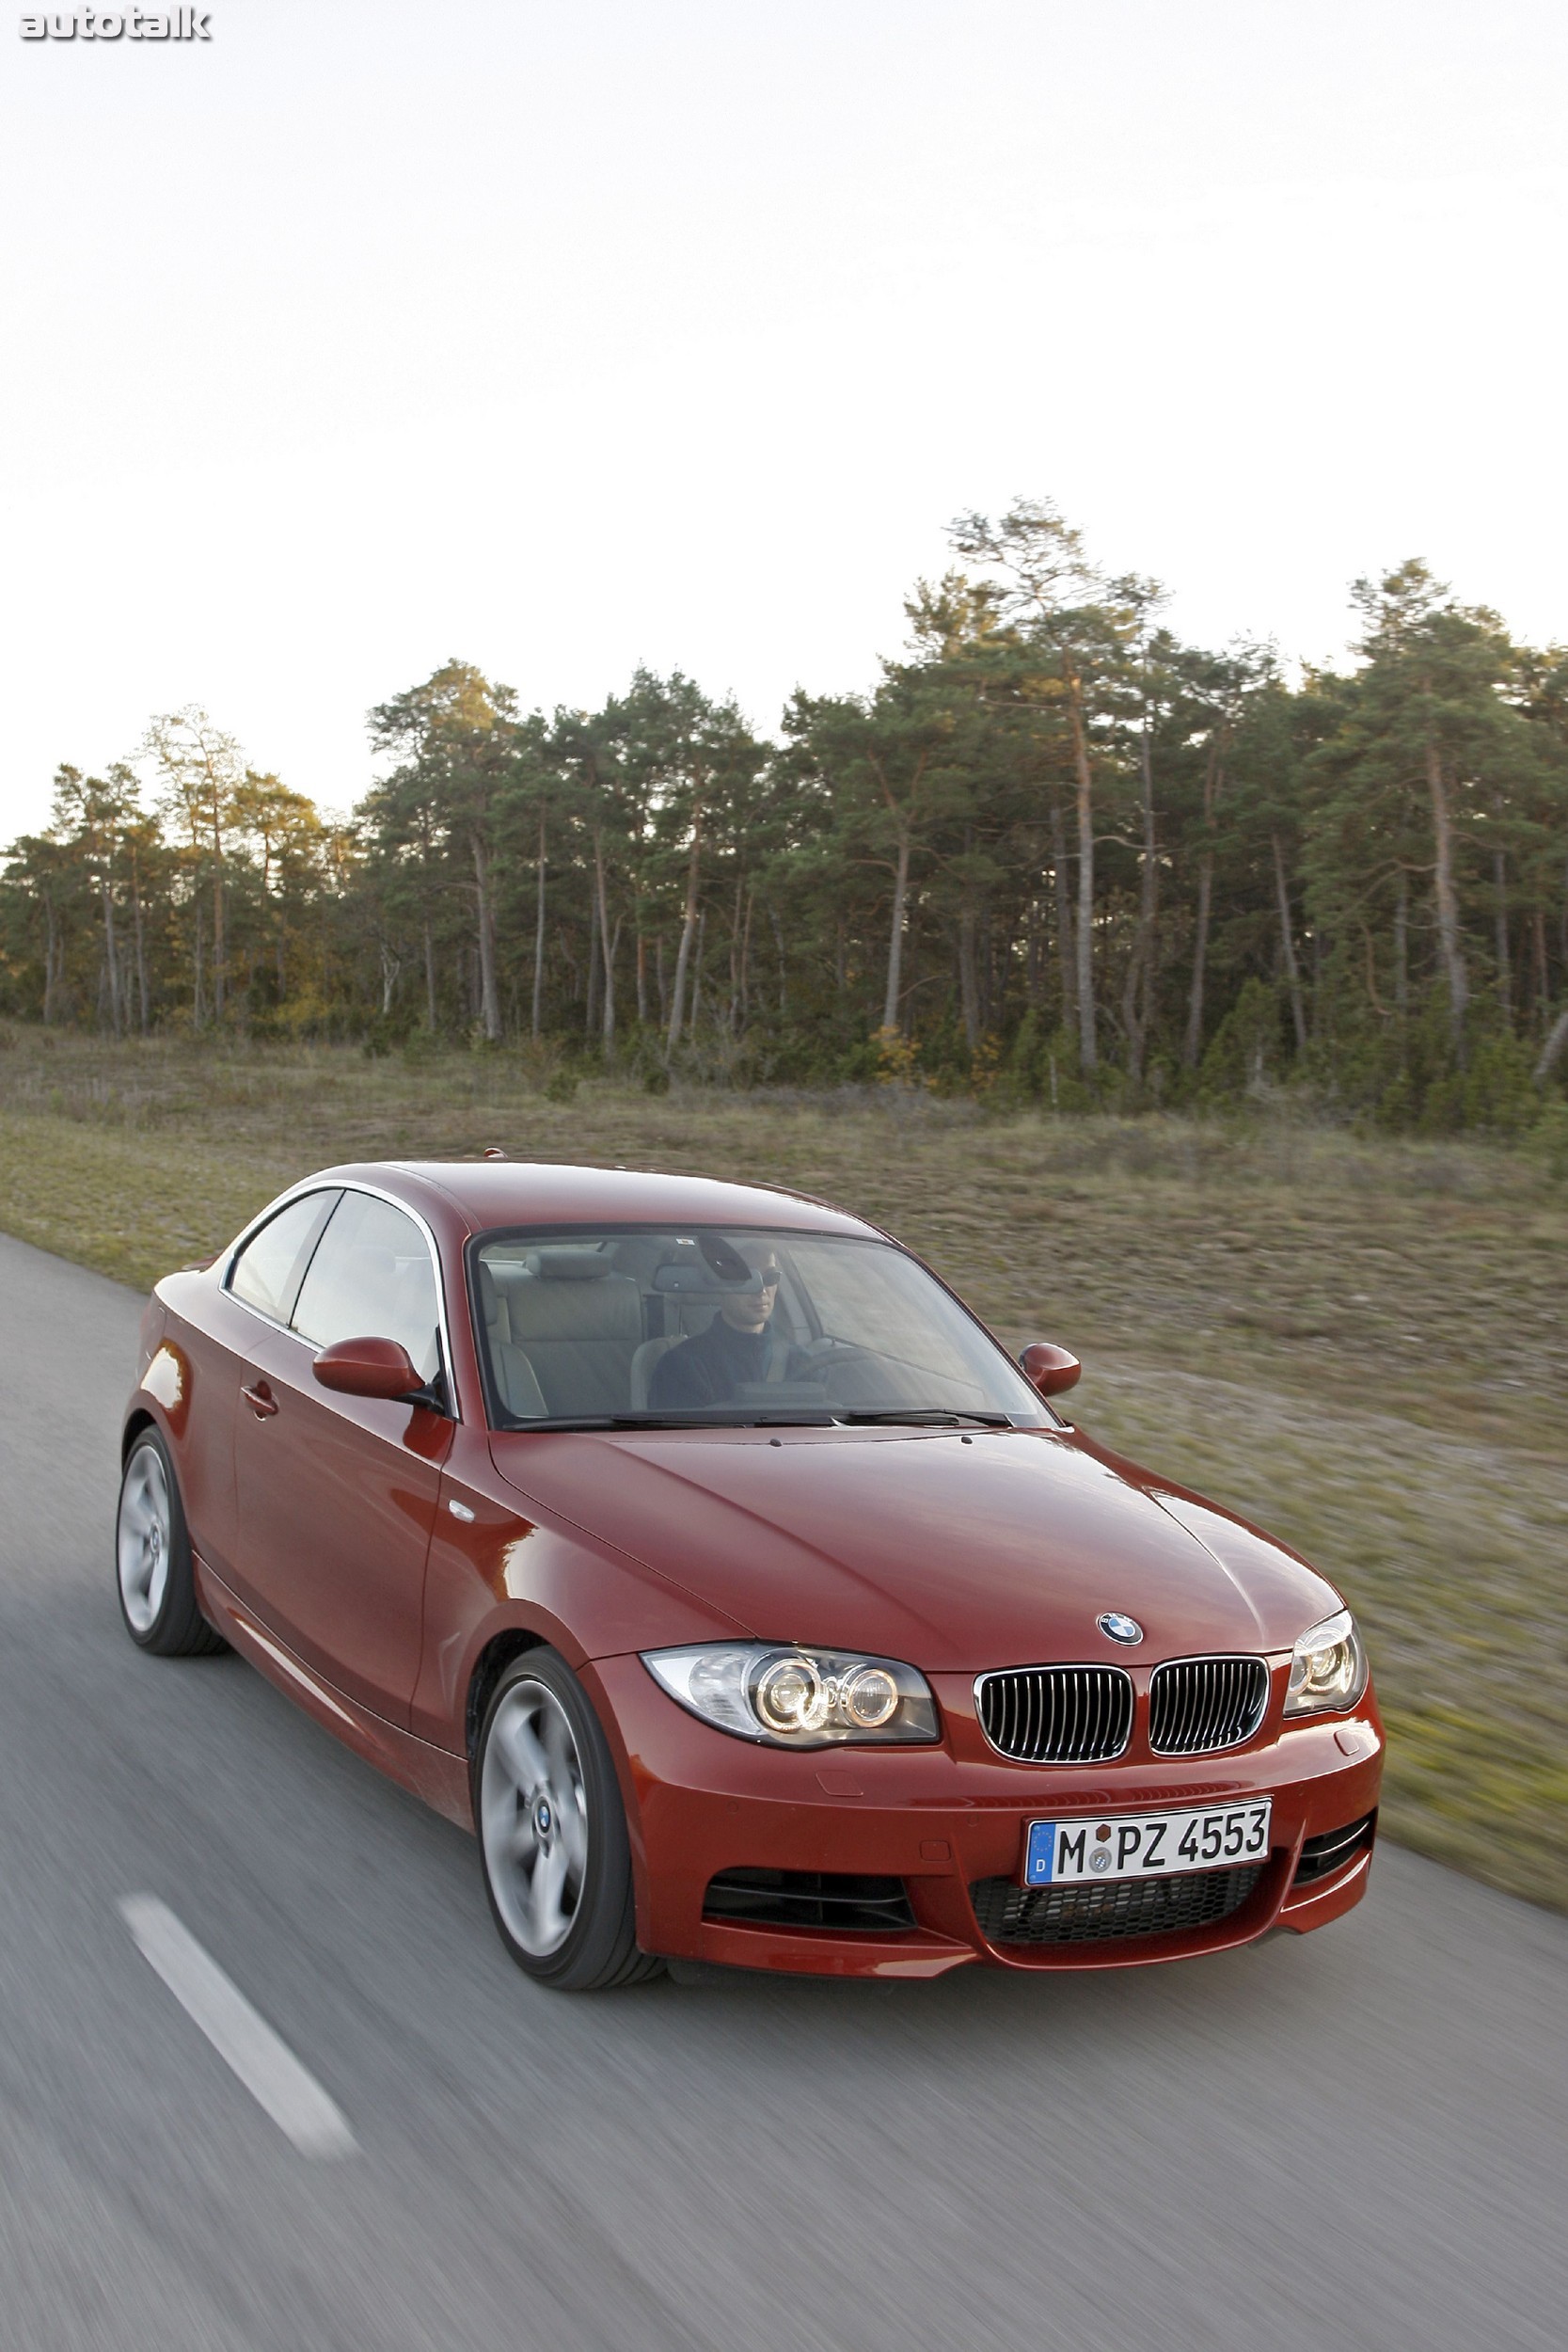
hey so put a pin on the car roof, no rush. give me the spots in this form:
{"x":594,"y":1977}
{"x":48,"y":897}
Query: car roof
{"x":542,"y":1192}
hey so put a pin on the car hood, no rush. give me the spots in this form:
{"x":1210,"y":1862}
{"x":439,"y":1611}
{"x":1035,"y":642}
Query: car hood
{"x":956,"y":1557}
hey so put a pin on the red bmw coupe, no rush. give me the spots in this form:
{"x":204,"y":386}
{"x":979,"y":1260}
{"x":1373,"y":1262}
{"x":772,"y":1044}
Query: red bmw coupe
{"x":694,"y":1544}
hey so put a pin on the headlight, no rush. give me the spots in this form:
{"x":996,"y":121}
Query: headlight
{"x":798,"y":1698}
{"x":1328,"y":1668}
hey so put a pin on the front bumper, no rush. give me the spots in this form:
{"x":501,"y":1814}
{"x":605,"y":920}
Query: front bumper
{"x":700,"y":1803}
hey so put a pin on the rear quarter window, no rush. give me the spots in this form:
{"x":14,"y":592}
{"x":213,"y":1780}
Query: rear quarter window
{"x":269,"y":1270}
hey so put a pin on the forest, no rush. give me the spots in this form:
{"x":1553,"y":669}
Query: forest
{"x":1053,"y":855}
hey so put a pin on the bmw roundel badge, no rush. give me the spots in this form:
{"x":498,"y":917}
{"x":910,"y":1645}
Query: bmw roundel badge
{"x":1119,"y":1629}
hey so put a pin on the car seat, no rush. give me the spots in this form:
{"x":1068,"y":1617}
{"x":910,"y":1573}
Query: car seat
{"x":690,"y":1315}
{"x":577,"y":1325}
{"x":515,"y":1377}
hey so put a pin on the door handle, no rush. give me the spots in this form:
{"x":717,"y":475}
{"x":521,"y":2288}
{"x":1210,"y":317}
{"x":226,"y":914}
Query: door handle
{"x":260,"y":1400}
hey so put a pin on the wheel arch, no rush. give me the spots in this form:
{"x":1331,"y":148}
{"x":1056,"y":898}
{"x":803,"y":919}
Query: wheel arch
{"x":135,"y":1422}
{"x":492,"y":1662}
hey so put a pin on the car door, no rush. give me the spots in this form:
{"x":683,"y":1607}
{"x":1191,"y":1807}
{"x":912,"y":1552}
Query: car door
{"x":335,"y":1495}
{"x":210,"y":1344}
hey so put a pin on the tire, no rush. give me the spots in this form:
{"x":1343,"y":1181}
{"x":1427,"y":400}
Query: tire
{"x":153,"y":1558}
{"x":552,"y":1832}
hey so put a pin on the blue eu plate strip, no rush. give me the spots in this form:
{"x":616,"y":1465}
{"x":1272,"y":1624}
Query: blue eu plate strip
{"x":1040,"y":1855}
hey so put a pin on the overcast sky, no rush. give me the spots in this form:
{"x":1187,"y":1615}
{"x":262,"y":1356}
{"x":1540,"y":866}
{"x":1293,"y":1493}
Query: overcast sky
{"x":561,"y":336}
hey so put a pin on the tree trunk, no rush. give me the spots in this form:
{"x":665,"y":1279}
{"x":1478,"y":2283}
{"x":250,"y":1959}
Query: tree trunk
{"x":536,"y":1016}
{"x":48,"y":937}
{"x":1292,"y":972}
{"x":489,"y":1002}
{"x":111,"y":960}
{"x":607,"y":942}
{"x":1139,"y":992}
{"x":142,"y":992}
{"x":1401,"y":945}
{"x":1194,"y":1038}
{"x":199,"y":1007}
{"x":1088,"y":1055}
{"x":642,"y":978}
{"x":429,"y":976}
{"x":1557,"y":1040}
{"x":968,"y":988}
{"x":1065,"y":961}
{"x":219,"y":947}
{"x":220,"y":959}
{"x":734,"y":956}
{"x":591,"y":1011}
{"x":783,"y":968}
{"x":689,"y":932}
{"x":697,"y":975}
{"x":1448,"y":902}
{"x":1505,"y":978}
{"x":896,"y":936}
{"x":1212,"y":779}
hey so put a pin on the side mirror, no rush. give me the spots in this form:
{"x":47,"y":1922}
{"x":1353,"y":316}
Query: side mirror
{"x":1049,"y":1368}
{"x":368,"y":1368}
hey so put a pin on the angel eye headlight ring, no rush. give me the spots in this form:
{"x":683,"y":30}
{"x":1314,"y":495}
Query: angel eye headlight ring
{"x":799,"y":1696}
{"x":790,"y":1695}
{"x":868,"y":1697}
{"x":1328,"y":1668}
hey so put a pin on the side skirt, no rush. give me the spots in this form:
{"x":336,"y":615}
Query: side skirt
{"x":439,"y":1779}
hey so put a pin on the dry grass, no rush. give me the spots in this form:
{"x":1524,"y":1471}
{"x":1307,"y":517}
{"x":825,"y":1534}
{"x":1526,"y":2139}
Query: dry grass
{"x":1365,"y":1344}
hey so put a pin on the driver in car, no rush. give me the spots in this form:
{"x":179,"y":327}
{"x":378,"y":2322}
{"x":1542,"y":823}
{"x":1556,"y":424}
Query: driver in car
{"x":739,"y":1347}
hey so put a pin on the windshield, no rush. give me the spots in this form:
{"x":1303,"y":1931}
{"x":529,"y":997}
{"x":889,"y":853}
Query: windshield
{"x":612,"y":1325}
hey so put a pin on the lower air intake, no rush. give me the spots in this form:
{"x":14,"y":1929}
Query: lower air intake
{"x":1320,"y":1856}
{"x":1109,"y":1915}
{"x":809,"y":1898}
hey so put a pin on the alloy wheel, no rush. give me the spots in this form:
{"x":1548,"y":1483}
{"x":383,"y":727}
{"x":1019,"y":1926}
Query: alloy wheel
{"x":144,"y":1539}
{"x":533,"y":1818}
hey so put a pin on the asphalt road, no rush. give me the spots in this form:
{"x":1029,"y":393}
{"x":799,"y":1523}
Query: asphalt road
{"x":1354,"y":2139}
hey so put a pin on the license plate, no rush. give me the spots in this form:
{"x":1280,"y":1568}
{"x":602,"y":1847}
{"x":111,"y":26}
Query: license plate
{"x":1146,"y":1844}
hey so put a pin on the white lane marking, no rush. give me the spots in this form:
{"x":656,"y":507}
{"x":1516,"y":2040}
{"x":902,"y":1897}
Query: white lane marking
{"x":263,"y":2062}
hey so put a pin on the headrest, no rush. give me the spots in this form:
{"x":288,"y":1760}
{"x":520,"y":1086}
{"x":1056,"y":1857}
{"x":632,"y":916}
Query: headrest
{"x":569,"y":1263}
{"x":608,"y":1310}
{"x":489,"y":1296}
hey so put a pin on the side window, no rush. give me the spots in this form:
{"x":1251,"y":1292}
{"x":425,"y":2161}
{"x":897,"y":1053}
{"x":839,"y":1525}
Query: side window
{"x":372,"y":1279}
{"x":268,"y":1269}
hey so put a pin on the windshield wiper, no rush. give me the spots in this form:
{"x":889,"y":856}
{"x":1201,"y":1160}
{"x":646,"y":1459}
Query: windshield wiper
{"x":924,"y":1417}
{"x":787,"y":1418}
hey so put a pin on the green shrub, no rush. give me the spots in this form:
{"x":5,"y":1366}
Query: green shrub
{"x":1548,"y":1141}
{"x":1245,"y":1049}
